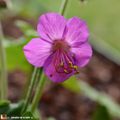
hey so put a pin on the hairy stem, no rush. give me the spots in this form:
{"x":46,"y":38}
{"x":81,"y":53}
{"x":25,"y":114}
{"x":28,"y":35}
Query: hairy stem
{"x":38,"y":93}
{"x":30,"y":89}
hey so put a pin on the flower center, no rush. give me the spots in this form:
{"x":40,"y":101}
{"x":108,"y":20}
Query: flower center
{"x":64,"y":61}
{"x":60,"y":44}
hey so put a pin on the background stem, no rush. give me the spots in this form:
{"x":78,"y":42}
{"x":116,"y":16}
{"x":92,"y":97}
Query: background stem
{"x":3,"y":80}
{"x":63,"y":7}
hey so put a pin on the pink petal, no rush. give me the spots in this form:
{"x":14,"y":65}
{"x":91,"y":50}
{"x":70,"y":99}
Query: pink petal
{"x":82,"y":54}
{"x":50,"y":71}
{"x":37,"y":51}
{"x":76,"y":31}
{"x":51,"y":26}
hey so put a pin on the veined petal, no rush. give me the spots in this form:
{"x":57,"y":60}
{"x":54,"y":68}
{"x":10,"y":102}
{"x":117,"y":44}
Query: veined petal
{"x":50,"y":71}
{"x":37,"y":51}
{"x":82,"y":54}
{"x":51,"y":26}
{"x":76,"y":31}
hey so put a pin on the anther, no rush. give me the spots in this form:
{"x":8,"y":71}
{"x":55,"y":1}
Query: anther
{"x":61,"y":64}
{"x":71,"y":64}
{"x":75,"y":67}
{"x":66,"y":71}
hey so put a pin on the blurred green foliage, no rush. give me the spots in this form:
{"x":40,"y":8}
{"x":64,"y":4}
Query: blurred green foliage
{"x":101,"y":113}
{"x":16,"y":59}
{"x":72,"y":84}
{"x":102,"y":16}
{"x":4,"y":106}
{"x":15,"y":110}
{"x":103,"y":99}
{"x":103,"y":19}
{"x":10,"y":109}
{"x":15,"y":48}
{"x":103,"y":23}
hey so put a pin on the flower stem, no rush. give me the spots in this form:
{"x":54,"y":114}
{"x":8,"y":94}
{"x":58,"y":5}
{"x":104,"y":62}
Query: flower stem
{"x":41,"y":82}
{"x":3,"y":81}
{"x":30,"y":89}
{"x":38,"y":93}
{"x":63,"y":7}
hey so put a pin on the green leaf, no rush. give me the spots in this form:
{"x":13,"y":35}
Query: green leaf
{"x":14,"y":50}
{"x":72,"y":84}
{"x":26,"y":28}
{"x":51,"y":118}
{"x":15,"y":109}
{"x":29,"y":116}
{"x":16,"y":58}
{"x":101,"y":113}
{"x":11,"y":43}
{"x":4,"y":107}
{"x":103,"y":99}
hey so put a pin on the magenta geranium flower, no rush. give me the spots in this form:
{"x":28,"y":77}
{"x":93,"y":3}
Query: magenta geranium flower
{"x":61,"y":48}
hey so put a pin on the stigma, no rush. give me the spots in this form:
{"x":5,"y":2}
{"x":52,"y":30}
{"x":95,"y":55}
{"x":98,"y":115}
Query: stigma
{"x":64,"y":63}
{"x":63,"y":58}
{"x":60,"y":45}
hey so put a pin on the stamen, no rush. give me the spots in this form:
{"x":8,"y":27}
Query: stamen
{"x":71,"y":64}
{"x":66,"y":71}
{"x":62,"y":64}
{"x":76,"y":69}
{"x":63,"y":59}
